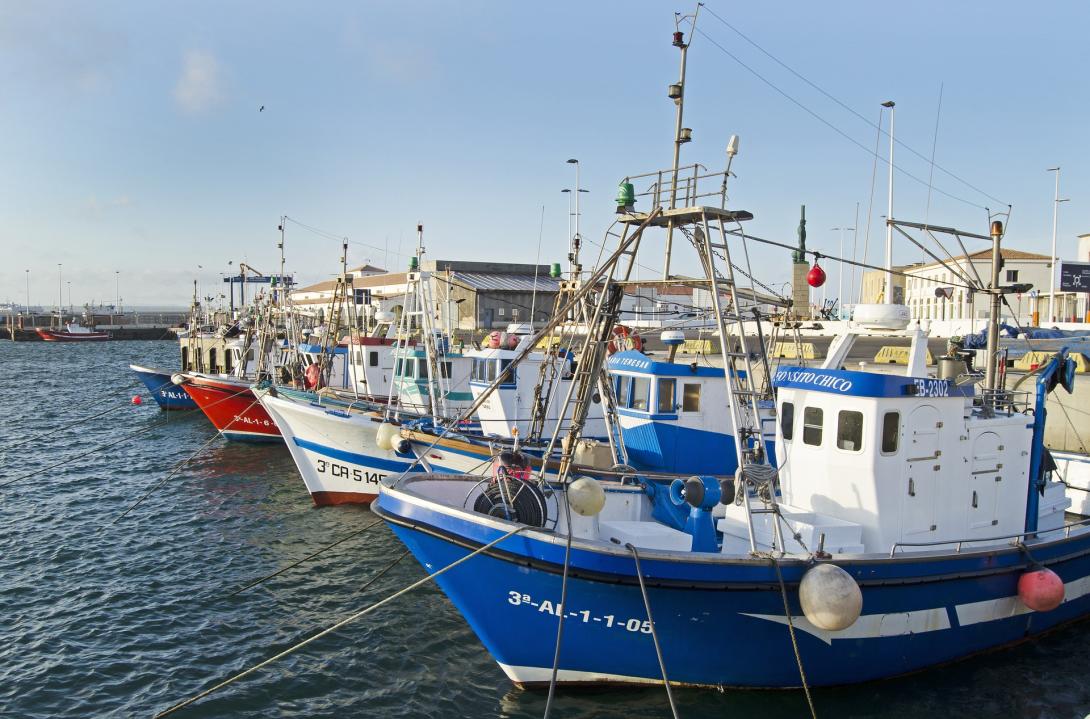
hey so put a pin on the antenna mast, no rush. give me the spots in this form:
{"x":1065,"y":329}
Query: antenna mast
{"x":681,"y":134}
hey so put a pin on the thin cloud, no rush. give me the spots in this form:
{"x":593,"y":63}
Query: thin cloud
{"x":199,"y":88}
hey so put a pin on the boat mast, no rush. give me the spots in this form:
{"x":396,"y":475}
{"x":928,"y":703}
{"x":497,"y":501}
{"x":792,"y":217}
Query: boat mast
{"x":990,"y":372}
{"x":889,"y":210}
{"x":681,"y":135}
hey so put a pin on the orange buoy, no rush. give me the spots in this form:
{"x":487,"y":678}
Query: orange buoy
{"x":137,"y":399}
{"x":1041,"y":590}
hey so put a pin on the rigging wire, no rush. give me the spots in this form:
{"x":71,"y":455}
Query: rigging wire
{"x":829,"y":124}
{"x":848,"y":108}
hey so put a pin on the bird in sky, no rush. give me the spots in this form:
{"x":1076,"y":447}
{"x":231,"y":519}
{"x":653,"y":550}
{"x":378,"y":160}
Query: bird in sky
{"x":261,"y":109}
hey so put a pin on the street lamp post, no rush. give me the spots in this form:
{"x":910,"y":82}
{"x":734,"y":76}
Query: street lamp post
{"x":1055,"y":218}
{"x":28,"y":293}
{"x":840,"y":274}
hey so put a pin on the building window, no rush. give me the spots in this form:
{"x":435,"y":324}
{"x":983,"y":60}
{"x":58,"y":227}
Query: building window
{"x":1012,"y":275}
{"x":690,"y":398}
{"x":812,"y":418}
{"x":891,"y":432}
{"x":787,"y":420}
{"x":499,"y":312}
{"x":666,"y":395}
{"x":641,"y":388}
{"x":849,"y":430}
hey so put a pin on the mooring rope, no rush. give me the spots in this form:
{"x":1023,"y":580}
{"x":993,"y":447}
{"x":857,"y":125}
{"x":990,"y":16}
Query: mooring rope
{"x":563,"y":600}
{"x":338,"y":625}
{"x":267,"y":577}
{"x":52,"y":432}
{"x":385,"y":569}
{"x":654,"y":633}
{"x":152,"y":425}
{"x":794,"y":640}
{"x":185,"y":462}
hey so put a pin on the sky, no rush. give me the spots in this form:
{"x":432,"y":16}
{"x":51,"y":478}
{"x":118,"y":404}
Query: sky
{"x":134,"y":153}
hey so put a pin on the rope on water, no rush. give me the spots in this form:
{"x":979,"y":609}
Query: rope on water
{"x":254,"y":583}
{"x":152,"y":425}
{"x":184,"y":462}
{"x":338,"y":625}
{"x":654,"y":633}
{"x":794,"y":641}
{"x":52,"y":432}
{"x":385,"y":569}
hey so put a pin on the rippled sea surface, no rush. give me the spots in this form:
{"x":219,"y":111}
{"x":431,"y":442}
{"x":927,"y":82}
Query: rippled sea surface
{"x":104,"y":615}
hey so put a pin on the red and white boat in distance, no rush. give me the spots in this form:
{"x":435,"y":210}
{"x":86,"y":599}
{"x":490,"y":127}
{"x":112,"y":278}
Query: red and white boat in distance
{"x":72,"y":332}
{"x":230,"y":406}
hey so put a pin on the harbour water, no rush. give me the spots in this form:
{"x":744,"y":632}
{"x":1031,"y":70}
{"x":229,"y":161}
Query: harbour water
{"x":104,"y":615}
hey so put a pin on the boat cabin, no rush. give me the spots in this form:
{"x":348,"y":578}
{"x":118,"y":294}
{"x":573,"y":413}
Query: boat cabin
{"x":675,"y":417}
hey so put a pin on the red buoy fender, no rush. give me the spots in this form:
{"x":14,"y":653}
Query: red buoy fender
{"x":1041,"y":589}
{"x":312,"y":377}
{"x":624,"y":338}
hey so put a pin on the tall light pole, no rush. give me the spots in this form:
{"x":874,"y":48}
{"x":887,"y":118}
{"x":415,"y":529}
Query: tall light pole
{"x":1055,"y":219}
{"x":840,"y":277}
{"x":28,"y":293}
{"x":117,"y":291}
{"x":69,"y":295}
{"x":60,"y":296}
{"x":889,"y":211}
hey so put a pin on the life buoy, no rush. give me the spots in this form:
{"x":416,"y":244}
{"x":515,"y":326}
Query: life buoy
{"x":624,"y":339}
{"x":312,"y":377}
{"x":494,"y":340}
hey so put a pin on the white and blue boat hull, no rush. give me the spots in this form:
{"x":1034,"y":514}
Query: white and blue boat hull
{"x":919,"y":610}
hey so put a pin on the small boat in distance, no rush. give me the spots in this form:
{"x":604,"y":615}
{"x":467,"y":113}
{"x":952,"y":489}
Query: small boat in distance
{"x":72,"y":332}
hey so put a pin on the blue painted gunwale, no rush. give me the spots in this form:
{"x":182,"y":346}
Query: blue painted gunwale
{"x":633,"y":362}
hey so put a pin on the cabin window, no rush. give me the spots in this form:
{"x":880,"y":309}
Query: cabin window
{"x":227,"y":362}
{"x":400,"y":370}
{"x":372,"y":359}
{"x":812,"y":418}
{"x":505,"y":367}
{"x":624,"y":388}
{"x":891,"y":432}
{"x":641,"y":388}
{"x":212,"y":366}
{"x":484,"y":370}
{"x":422,"y":368}
{"x":444,"y":369}
{"x":787,"y":420}
{"x":849,"y":430}
{"x":690,"y":398}
{"x":666,"y":395}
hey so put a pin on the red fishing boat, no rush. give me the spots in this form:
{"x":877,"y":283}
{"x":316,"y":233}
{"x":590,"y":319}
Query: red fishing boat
{"x":230,"y":406}
{"x":72,"y":332}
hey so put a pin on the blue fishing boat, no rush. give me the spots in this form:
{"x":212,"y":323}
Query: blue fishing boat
{"x":903,"y":520}
{"x":166,"y":393}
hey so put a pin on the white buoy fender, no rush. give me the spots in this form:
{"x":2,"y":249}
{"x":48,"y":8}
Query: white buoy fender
{"x":178,"y":379}
{"x":586,"y":496}
{"x":1041,"y":590}
{"x":387,"y":435}
{"x":830,"y":598}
